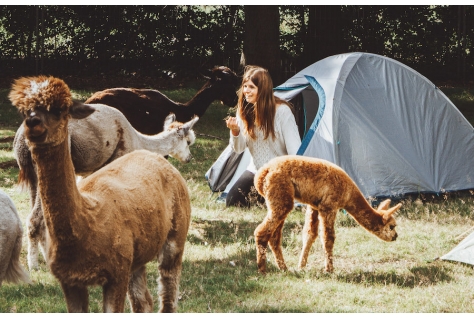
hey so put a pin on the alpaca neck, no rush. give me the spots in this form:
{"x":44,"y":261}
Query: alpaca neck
{"x":58,"y":190}
{"x":363,"y":213}
{"x":162,"y":143}
{"x":201,"y":101}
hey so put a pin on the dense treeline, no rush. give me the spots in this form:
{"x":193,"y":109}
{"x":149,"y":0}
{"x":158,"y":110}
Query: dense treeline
{"x":167,"y":40}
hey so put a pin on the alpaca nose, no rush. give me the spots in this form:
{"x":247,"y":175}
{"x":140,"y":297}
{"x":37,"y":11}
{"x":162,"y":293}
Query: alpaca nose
{"x":32,"y":120}
{"x":188,"y":159}
{"x":394,"y":237}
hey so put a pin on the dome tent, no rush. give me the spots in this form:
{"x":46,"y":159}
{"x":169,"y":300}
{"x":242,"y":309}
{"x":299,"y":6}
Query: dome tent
{"x":391,"y":129}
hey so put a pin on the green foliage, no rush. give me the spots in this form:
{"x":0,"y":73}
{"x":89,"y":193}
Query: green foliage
{"x":170,"y":40}
{"x":149,"y":40}
{"x":220,"y":273}
{"x":463,"y":98}
{"x":9,"y":116}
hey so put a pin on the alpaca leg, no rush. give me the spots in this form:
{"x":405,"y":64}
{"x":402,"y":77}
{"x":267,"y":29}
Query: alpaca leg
{"x":310,"y":233}
{"x":170,"y":263}
{"x":43,"y":241}
{"x":328,"y":236}
{"x":279,"y":206}
{"x":138,"y":293}
{"x":35,"y":229}
{"x":114,"y":294}
{"x":33,"y":252}
{"x":77,"y":298}
{"x":275,"y":246}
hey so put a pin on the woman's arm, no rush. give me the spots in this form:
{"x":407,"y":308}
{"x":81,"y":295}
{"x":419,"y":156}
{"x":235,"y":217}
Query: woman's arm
{"x":237,"y":140}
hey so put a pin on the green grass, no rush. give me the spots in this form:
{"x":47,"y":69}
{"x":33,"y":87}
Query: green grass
{"x":220,"y":273}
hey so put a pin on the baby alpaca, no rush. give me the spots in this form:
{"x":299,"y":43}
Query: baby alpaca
{"x":11,"y":234}
{"x":326,"y":189}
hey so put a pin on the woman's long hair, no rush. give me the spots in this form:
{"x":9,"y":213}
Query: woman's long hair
{"x":261,"y":114}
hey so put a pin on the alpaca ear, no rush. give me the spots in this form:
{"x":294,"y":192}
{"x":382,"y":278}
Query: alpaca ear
{"x":79,"y":110}
{"x":384,"y":205}
{"x":390,"y":212}
{"x":188,"y":125}
{"x":168,"y":120}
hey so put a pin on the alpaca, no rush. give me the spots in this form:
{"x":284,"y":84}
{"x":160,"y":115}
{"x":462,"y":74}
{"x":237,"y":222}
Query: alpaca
{"x":11,"y":233}
{"x":104,"y":229}
{"x":96,"y":141}
{"x":325,"y":188}
{"x":144,"y":108}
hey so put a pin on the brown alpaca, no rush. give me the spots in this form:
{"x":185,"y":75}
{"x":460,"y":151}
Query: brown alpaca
{"x":325,"y":188}
{"x":105,"y":229}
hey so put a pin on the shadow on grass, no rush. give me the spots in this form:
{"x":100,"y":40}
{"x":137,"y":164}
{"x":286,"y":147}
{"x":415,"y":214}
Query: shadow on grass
{"x":40,"y":297}
{"x":416,"y":277}
{"x":216,"y":232}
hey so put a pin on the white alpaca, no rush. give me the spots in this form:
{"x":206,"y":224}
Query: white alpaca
{"x":11,"y":233}
{"x":94,"y":142}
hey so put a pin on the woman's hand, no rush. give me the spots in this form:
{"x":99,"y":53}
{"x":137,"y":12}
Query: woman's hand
{"x":231,"y":123}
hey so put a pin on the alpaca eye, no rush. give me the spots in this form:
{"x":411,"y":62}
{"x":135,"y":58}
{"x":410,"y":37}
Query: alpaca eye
{"x":392,"y":227}
{"x":55,"y":111}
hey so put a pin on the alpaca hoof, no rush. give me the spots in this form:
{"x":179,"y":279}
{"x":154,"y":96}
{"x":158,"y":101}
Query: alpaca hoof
{"x":33,"y":265}
{"x":329,"y":269}
{"x":283,"y":267}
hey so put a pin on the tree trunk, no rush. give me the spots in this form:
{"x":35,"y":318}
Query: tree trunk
{"x":229,"y":38}
{"x":262,"y":39}
{"x":324,"y":33}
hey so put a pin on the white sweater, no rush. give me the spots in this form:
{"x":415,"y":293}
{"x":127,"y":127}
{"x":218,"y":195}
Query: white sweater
{"x":287,"y":139}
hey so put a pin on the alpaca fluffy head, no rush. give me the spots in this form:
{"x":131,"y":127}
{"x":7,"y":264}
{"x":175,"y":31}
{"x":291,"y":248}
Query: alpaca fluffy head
{"x":387,"y":230}
{"x":46,"y":105}
{"x":29,"y":93}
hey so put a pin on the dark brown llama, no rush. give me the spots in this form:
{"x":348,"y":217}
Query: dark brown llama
{"x":146,"y":108}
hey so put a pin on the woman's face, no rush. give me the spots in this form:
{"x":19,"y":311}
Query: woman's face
{"x":250,"y":91}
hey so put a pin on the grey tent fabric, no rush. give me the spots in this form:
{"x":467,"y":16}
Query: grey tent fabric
{"x":238,"y":166}
{"x":391,"y":129}
{"x":223,"y":169}
{"x":463,"y":252}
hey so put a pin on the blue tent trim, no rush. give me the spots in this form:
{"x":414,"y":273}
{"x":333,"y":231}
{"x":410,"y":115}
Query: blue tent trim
{"x":281,"y":88}
{"x":322,"y":105}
